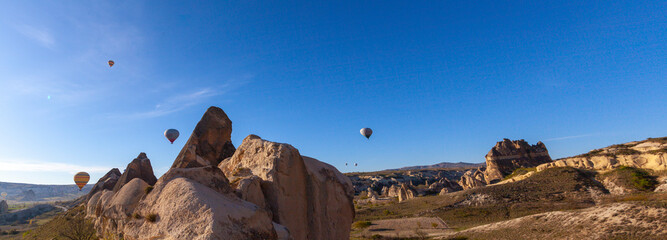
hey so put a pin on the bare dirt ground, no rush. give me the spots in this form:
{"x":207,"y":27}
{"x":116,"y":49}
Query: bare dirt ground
{"x":405,"y":227}
{"x":609,"y":221}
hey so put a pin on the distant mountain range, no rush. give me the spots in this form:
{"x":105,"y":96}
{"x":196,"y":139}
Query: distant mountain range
{"x":23,"y":192}
{"x":442,"y":165}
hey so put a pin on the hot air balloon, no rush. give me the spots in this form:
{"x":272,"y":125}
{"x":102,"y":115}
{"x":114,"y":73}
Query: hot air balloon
{"x":171,"y":135}
{"x":3,"y":194}
{"x":355,"y":164}
{"x":111,"y":63}
{"x":366,"y":132}
{"x":345,"y":164}
{"x":81,"y":179}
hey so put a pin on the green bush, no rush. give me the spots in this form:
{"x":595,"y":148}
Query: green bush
{"x":136,"y":216}
{"x":639,"y":178}
{"x":361,"y":224}
{"x":148,"y":189}
{"x":152,"y":217}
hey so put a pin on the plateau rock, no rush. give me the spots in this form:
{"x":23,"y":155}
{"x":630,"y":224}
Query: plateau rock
{"x":507,"y":155}
{"x":407,"y":192}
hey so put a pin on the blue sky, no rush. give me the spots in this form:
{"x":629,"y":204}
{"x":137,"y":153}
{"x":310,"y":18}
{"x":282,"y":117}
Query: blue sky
{"x":437,"y":81}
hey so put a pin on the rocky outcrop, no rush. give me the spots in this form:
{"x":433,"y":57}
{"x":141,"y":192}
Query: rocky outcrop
{"x":312,"y":199}
{"x":274,"y":193}
{"x":140,"y":168}
{"x":445,"y":186}
{"x":393,"y":191}
{"x":210,"y":142}
{"x":472,"y":179}
{"x":24,"y":215}
{"x":4,"y":208}
{"x":407,"y":192}
{"x":28,"y":196}
{"x":106,"y":182}
{"x":372,"y":194}
{"x":507,"y":155}
{"x":647,"y":154}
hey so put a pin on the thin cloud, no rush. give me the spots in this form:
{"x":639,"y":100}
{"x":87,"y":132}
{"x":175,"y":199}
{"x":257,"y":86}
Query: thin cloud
{"x":177,"y":103}
{"x":42,"y":36}
{"x":41,"y":166}
{"x":570,"y":137}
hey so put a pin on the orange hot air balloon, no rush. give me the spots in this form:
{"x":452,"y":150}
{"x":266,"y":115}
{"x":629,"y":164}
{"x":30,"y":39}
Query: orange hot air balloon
{"x":111,"y":63}
{"x":81,"y":179}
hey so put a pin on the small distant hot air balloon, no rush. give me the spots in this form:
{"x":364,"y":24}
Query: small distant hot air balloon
{"x":366,"y":132}
{"x":111,"y":63}
{"x":81,"y":179}
{"x":3,"y":194}
{"x":345,"y":164}
{"x":355,"y":164}
{"x":171,"y":135}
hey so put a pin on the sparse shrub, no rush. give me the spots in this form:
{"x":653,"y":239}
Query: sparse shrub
{"x":3,"y":233}
{"x":136,"y":216}
{"x":627,"y":151}
{"x":361,"y":224}
{"x":13,"y":232}
{"x":151,"y":217}
{"x":458,"y":238}
{"x":377,"y":236}
{"x":639,"y":178}
{"x":520,"y":171}
{"x":387,"y":212}
{"x":434,"y":225}
{"x":148,"y":189}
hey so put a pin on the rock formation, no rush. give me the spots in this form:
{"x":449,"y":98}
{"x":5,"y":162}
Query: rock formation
{"x":28,"y":196}
{"x":407,"y":192}
{"x":647,"y":154}
{"x":140,"y":168}
{"x":312,"y":199}
{"x":472,"y":179}
{"x":107,"y":182}
{"x":274,"y":193}
{"x":509,"y":155}
{"x":3,"y":207}
{"x":393,"y":191}
{"x":210,"y":142}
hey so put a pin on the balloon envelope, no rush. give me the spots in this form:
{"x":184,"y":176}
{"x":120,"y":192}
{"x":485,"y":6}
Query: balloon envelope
{"x":111,"y":63}
{"x":366,"y":132}
{"x":81,"y":179}
{"x":171,"y":135}
{"x":3,"y":194}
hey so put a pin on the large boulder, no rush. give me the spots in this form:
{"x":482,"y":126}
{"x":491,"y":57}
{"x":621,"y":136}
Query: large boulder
{"x":140,"y":168}
{"x":210,"y":142}
{"x":312,"y":199}
{"x":393,"y":191}
{"x":507,"y":155}
{"x":106,"y":182}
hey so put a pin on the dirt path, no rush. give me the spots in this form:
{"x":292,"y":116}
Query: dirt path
{"x":406,"y":227}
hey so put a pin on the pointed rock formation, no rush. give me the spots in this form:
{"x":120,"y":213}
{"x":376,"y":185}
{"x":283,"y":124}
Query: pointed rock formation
{"x":140,"y":168}
{"x":107,"y":182}
{"x":210,"y":142}
{"x":509,"y":155}
{"x":394,"y":191}
{"x":312,"y":199}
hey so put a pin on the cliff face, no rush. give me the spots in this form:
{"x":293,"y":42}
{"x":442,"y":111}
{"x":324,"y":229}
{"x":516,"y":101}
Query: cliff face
{"x":274,"y":193}
{"x":507,"y":155}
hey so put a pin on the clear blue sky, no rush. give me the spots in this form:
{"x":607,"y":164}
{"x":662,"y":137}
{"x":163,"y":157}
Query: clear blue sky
{"x":437,"y":81}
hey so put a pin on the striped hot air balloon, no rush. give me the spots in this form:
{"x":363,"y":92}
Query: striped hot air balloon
{"x":81,"y":179}
{"x":3,"y":194}
{"x":111,"y":63}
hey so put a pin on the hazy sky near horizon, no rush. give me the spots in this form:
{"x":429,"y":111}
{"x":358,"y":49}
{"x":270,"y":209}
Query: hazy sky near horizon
{"x":436,"y":81}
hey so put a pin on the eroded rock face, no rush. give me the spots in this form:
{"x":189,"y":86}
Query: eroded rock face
{"x":407,"y":192}
{"x":509,"y":155}
{"x":106,"y":182}
{"x":312,"y":199}
{"x":140,"y":168}
{"x":210,"y":142}
{"x":472,"y":179}
{"x":394,"y":191}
